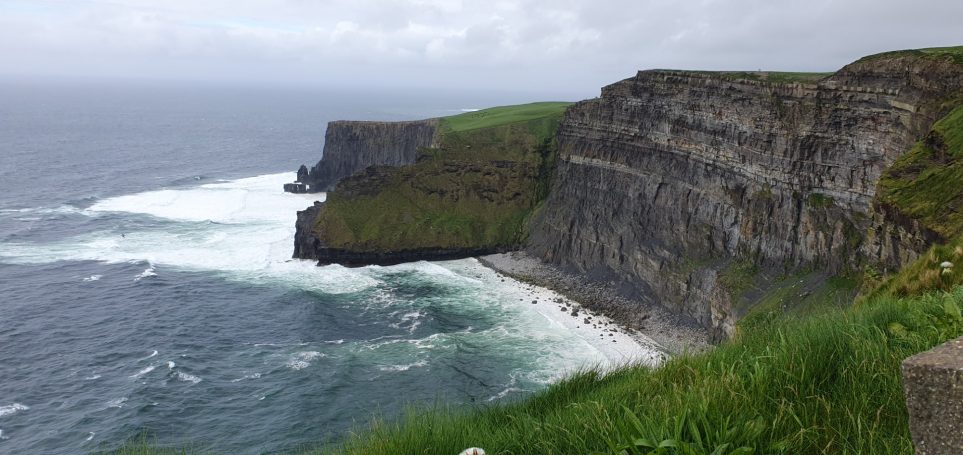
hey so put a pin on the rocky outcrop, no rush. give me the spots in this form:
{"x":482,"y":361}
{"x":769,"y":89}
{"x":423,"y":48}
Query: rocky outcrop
{"x":350,"y":146}
{"x":306,"y":242}
{"x":296,"y":187}
{"x":670,"y":176}
{"x":470,"y":194}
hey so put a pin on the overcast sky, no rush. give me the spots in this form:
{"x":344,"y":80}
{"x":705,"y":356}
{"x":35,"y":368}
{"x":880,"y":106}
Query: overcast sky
{"x":562,"y":46}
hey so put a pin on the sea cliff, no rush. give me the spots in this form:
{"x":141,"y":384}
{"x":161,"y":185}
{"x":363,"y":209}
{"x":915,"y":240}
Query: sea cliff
{"x":351,"y":146}
{"x":471,"y":192}
{"x":702,"y":192}
{"x":672,"y":180}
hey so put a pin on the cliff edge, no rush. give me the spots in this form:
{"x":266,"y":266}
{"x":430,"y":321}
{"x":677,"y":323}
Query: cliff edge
{"x":688,"y":186}
{"x":471,"y":193}
{"x":351,"y":146}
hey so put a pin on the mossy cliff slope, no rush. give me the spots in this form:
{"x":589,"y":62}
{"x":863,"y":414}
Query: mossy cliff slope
{"x":472,"y":193}
{"x":690,"y":187}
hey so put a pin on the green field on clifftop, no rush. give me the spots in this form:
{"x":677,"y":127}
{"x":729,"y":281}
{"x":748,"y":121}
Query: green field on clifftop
{"x":954,"y":52}
{"x":502,"y":115}
{"x":477,"y":189}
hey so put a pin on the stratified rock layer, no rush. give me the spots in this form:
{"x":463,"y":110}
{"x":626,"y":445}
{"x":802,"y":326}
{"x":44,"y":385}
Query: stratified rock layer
{"x":351,"y":146}
{"x":669,"y":176}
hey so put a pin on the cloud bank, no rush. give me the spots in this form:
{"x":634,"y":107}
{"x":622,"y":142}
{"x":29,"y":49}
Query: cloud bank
{"x":454,"y":44}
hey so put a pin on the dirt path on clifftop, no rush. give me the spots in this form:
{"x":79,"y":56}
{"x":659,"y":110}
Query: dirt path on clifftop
{"x":671,"y":332}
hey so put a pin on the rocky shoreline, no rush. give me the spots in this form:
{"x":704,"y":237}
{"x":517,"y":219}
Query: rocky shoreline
{"x":672,"y":332}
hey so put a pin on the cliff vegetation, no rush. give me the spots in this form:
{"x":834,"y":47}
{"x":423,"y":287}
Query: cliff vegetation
{"x":474,"y":191}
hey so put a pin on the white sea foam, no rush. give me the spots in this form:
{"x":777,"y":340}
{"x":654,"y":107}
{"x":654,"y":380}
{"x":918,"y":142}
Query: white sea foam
{"x":188,"y":377}
{"x":2,"y":437}
{"x":45,"y":210}
{"x":409,"y":320}
{"x":93,"y":278}
{"x":171,"y":365}
{"x":147,"y":273}
{"x":504,"y":393}
{"x":558,"y":342}
{"x":117,"y":402}
{"x":152,"y":354}
{"x":405,"y":367}
{"x":302,"y":360}
{"x":12,"y":409}
{"x":90,"y":436}
{"x":243,"y":230}
{"x":247,"y":376}
{"x":91,"y":378}
{"x":142,"y":372}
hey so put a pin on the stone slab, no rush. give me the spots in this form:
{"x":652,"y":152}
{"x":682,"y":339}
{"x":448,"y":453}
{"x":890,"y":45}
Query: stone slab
{"x":933,"y":383}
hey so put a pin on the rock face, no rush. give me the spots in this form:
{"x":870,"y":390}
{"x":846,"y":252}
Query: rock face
{"x":350,"y":146}
{"x":296,"y":187}
{"x":306,"y":242}
{"x":470,"y":194}
{"x":669,"y":177}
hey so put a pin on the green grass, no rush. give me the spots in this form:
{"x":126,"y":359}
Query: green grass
{"x":478,"y":189}
{"x":738,"y":277}
{"x":797,"y":296}
{"x":502,"y":115}
{"x":953,"y":52}
{"x":926,"y":274}
{"x":925,"y":184}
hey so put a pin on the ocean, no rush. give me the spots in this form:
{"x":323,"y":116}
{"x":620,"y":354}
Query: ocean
{"x":147,"y":287}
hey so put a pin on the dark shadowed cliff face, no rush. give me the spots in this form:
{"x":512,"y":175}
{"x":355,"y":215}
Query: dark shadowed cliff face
{"x":670,"y":178}
{"x":350,"y":146}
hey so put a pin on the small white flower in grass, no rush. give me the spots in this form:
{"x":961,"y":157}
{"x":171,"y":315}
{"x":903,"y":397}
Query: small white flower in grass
{"x":473,"y":451}
{"x":946,"y":264}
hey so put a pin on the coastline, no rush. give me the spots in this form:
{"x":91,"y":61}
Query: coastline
{"x":645,"y":322}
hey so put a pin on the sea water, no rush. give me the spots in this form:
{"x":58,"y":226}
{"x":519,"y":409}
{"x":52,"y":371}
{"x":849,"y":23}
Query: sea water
{"x":147,"y":286}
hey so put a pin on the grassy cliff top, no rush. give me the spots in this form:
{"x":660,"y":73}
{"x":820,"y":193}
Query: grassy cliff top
{"x":476,"y":190}
{"x":954,"y":52}
{"x":502,"y":115}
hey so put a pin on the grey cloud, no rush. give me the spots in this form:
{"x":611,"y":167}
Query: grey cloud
{"x":568,"y":45}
